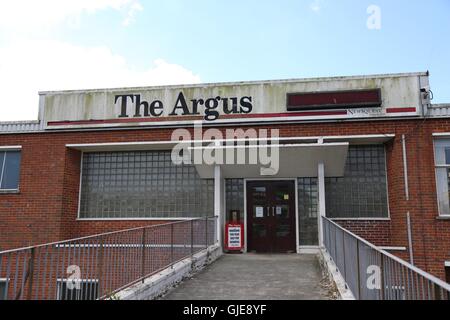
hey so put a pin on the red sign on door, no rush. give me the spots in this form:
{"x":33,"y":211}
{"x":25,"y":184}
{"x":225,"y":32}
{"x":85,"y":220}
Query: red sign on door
{"x":234,"y":239}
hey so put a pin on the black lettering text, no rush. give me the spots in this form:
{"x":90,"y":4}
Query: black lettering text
{"x":246,"y":104}
{"x":180,"y":104}
{"x":156,"y":108}
{"x":123,"y":106}
{"x":226,"y":109}
{"x":138,"y":106}
{"x":195,"y":104}
{"x":210,"y":109}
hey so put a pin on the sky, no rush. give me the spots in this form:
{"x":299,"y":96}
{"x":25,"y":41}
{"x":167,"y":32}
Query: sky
{"x":82,"y":44}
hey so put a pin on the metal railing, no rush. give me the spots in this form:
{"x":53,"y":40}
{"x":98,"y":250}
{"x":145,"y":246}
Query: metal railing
{"x":374,"y":274}
{"x":98,"y":266}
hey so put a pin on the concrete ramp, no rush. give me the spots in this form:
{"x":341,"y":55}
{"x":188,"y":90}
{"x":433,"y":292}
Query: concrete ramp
{"x":255,"y":276}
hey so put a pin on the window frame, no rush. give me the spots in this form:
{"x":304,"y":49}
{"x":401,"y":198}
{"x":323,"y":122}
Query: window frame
{"x":437,"y":141}
{"x":5,"y":150}
{"x":5,"y":281}
{"x":368,"y":218}
{"x":80,"y":190}
{"x":447,"y":271}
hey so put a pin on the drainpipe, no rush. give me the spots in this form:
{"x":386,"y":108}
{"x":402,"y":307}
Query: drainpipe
{"x":408,"y":217}
{"x":405,"y":168}
{"x":408,"y":223}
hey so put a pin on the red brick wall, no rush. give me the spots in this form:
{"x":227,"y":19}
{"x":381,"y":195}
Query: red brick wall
{"x":46,"y":207}
{"x":374,"y":231}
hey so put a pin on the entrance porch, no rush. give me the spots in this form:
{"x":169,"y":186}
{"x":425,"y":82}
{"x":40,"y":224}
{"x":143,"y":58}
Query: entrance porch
{"x":255,"y":277}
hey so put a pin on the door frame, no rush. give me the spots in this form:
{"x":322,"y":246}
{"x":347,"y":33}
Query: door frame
{"x":296,"y":207}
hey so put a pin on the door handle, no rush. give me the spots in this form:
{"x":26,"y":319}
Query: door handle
{"x":273,"y":211}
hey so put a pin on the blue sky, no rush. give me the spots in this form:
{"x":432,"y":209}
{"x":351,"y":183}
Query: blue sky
{"x":102,"y":43}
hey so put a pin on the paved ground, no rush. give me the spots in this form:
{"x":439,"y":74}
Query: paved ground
{"x":255,"y":276}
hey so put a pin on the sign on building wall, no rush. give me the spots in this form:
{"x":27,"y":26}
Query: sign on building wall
{"x":283,"y":100}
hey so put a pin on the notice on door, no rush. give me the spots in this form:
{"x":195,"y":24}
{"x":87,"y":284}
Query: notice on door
{"x":279,"y":211}
{"x":259,"y":212}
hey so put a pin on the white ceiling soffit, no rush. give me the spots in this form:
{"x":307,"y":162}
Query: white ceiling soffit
{"x":167,"y":145}
{"x":295,"y":160}
{"x":361,"y":139}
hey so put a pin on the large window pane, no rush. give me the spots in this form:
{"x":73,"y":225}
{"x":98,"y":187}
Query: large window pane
{"x":442,"y":161}
{"x":2,"y":158}
{"x":447,"y":155}
{"x":3,"y":285}
{"x":307,"y":211}
{"x":142,"y":184}
{"x":442,"y":179}
{"x":11,"y":170}
{"x":234,"y":196}
{"x":362,"y":191}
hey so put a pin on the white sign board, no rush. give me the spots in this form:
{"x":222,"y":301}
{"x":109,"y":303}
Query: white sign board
{"x":234,"y":237}
{"x":259,"y":212}
{"x":222,"y":103}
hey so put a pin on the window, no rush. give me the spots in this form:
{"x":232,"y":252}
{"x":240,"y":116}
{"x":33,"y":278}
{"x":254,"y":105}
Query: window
{"x":81,"y":289}
{"x":362,"y":191}
{"x":142,"y":184}
{"x":442,"y":163}
{"x":3,"y":288}
{"x":9,"y":170}
{"x":234,"y":196}
{"x":447,"y":273}
{"x":307,"y":211}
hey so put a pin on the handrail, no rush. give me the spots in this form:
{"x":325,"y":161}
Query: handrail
{"x":101,"y":234}
{"x":430,"y":277}
{"x":373,"y":273}
{"x":97,"y":266}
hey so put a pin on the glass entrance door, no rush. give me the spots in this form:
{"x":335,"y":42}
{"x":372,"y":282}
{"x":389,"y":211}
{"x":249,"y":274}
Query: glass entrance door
{"x":271,"y":216}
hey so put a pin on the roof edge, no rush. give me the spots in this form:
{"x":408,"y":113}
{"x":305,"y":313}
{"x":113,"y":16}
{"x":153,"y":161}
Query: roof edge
{"x":210,"y":84}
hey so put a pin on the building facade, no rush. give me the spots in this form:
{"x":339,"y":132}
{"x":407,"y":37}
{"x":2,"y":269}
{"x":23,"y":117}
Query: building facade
{"x":370,"y":152}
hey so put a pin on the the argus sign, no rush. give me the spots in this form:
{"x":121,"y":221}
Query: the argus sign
{"x":208,"y":107}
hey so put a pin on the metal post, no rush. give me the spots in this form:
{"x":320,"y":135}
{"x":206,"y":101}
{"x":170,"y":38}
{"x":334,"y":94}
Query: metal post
{"x":321,"y":200}
{"x":30,"y":274}
{"x":206,"y":232}
{"x":410,"y":244}
{"x":358,"y":270}
{"x":171,"y":245}
{"x":382,"y":276}
{"x":335,"y":245}
{"x":99,"y":268}
{"x":343,"y":254}
{"x":192,"y":237}
{"x":437,"y":292}
{"x":143,"y":256}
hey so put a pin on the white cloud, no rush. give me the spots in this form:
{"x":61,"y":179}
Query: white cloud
{"x":316,"y":5}
{"x":27,"y":67}
{"x":134,"y":8}
{"x":29,"y":15}
{"x":31,"y":61}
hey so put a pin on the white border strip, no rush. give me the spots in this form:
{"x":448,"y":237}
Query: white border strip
{"x":359,"y":219}
{"x":138,"y":219}
{"x":10,"y":148}
{"x":441,"y":134}
{"x":388,"y":248}
{"x":169,"y":142}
